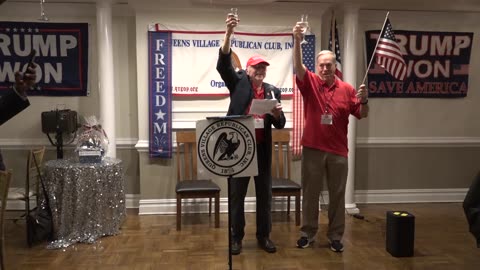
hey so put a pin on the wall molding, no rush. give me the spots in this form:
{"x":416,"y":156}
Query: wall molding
{"x":362,"y":142}
{"x":404,"y":142}
{"x":21,"y":144}
{"x":168,"y":206}
{"x":387,"y":142}
{"x":131,"y":201}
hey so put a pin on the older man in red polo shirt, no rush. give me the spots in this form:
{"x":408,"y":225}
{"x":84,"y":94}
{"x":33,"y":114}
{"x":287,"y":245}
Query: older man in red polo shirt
{"x":328,"y":103}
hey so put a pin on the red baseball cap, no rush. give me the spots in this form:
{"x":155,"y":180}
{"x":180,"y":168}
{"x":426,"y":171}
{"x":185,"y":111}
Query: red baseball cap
{"x":255,"y":60}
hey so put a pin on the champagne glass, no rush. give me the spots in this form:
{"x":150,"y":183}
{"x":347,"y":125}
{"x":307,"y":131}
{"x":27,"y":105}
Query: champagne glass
{"x":304,"y":25}
{"x":234,"y":12}
{"x":43,"y":17}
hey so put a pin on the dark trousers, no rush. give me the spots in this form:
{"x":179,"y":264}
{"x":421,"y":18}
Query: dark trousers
{"x":263,"y":191}
{"x":471,"y":207}
{"x":2,"y":165}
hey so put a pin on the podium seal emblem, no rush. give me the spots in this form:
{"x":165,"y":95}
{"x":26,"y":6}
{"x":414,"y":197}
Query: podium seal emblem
{"x":226,"y":147}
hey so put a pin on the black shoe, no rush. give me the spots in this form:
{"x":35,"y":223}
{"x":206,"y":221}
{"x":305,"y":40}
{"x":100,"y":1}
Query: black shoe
{"x":267,"y":245}
{"x":304,"y":242}
{"x":336,"y":246}
{"x":236,"y":247}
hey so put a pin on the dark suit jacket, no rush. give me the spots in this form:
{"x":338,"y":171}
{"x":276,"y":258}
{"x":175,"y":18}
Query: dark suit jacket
{"x":241,"y":95}
{"x":10,"y":105}
{"x":471,"y":206}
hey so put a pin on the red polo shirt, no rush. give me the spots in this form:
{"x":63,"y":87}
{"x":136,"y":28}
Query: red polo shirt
{"x":339,"y":100}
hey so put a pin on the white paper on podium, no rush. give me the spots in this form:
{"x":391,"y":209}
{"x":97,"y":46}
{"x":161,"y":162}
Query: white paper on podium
{"x":262,"y":106}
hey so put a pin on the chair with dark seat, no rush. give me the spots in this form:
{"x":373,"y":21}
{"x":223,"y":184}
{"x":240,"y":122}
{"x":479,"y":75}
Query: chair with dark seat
{"x":29,"y":191}
{"x":188,"y":186}
{"x":5,"y":177}
{"x":282,"y":184}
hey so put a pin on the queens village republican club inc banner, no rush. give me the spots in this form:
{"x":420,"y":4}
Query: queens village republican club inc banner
{"x":182,"y":62}
{"x":194,"y":52}
{"x":61,"y":56}
{"x":437,"y":65}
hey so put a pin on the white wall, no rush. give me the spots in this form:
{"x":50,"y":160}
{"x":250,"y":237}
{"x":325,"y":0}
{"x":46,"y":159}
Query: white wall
{"x":393,"y":122}
{"x":25,"y":128}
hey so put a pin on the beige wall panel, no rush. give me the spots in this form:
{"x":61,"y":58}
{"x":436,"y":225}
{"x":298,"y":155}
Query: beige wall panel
{"x":416,"y":168}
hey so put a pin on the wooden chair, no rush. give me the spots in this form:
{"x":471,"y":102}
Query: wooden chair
{"x":282,"y":184}
{"x":31,"y":186}
{"x":5,"y":177}
{"x":188,"y":186}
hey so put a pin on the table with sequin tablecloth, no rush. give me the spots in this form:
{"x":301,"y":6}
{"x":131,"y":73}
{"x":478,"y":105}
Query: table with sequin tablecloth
{"x":87,"y":200}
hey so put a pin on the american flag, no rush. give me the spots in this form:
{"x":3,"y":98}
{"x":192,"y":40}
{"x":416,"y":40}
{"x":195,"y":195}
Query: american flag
{"x":334,"y":43}
{"x":388,"y":53}
{"x":308,"y":55}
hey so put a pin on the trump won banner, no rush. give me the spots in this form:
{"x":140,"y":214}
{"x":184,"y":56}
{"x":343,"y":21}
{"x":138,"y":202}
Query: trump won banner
{"x":61,"y":56}
{"x":194,"y":53}
{"x":437,"y":65}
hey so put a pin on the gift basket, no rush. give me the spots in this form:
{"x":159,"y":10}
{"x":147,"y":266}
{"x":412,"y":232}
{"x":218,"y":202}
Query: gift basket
{"x":92,"y":141}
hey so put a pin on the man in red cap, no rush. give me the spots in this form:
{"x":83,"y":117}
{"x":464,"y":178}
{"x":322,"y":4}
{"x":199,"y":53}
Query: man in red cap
{"x":244,"y":86}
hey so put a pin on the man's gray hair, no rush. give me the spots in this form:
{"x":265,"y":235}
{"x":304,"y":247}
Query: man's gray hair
{"x":334,"y":57}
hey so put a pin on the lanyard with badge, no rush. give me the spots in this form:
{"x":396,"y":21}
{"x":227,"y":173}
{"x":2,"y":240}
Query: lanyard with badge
{"x":327,"y":118}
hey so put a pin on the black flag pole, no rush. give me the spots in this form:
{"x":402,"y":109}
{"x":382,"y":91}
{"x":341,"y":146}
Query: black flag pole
{"x":375,"y":50}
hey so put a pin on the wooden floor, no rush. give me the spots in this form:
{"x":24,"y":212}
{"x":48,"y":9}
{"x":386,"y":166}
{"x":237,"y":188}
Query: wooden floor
{"x":442,"y":241}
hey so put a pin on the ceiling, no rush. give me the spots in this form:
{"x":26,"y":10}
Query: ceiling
{"x":432,"y":5}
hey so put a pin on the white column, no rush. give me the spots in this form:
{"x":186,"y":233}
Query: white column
{"x":105,"y":72}
{"x":350,"y":68}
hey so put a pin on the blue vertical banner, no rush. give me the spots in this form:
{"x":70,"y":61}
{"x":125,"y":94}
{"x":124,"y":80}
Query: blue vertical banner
{"x":61,"y":56}
{"x":160,"y":94}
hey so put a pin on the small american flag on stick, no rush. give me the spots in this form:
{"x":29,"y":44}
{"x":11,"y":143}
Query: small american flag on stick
{"x":388,"y":53}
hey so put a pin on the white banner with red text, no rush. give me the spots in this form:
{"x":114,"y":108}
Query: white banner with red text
{"x":194,"y":52}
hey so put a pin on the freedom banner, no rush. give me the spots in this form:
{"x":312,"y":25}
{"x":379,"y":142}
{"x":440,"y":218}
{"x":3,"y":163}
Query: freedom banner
{"x":437,"y":65}
{"x":160,"y":94}
{"x":194,"y":54}
{"x":62,"y":56}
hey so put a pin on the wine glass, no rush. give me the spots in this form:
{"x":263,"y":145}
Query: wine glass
{"x":234,"y":12}
{"x":43,"y":17}
{"x":304,"y":25}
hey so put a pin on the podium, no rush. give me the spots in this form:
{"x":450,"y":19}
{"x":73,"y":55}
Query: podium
{"x":226,"y":148}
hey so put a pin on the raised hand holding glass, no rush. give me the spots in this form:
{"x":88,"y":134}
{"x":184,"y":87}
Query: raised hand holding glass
{"x":234,"y":12}
{"x":305,"y":27}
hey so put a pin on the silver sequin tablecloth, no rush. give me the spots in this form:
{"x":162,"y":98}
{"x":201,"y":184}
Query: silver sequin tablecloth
{"x":87,"y":200}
